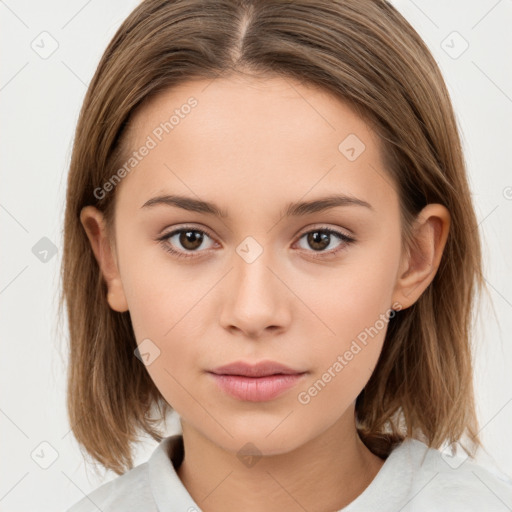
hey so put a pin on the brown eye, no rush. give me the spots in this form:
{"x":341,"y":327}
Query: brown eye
{"x":320,"y":239}
{"x":190,"y":239}
{"x":185,"y":242}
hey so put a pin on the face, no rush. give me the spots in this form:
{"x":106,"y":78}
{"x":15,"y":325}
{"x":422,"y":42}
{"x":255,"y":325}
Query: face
{"x":309,"y":288}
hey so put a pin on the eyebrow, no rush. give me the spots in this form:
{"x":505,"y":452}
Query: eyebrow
{"x":296,"y":209}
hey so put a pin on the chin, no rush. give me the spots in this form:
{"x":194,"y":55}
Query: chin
{"x":261,"y":438}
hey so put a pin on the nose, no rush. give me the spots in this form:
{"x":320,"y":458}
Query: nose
{"x":257,"y":303}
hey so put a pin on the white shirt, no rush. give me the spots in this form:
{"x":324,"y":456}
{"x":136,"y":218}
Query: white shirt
{"x":414,"y":478}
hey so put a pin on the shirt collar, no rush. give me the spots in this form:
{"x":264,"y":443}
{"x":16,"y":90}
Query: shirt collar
{"x":168,"y":490}
{"x":170,"y":493}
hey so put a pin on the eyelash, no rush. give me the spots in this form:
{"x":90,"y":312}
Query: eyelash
{"x":319,"y":255}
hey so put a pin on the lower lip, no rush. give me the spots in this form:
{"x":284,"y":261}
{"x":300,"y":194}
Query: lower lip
{"x":256,"y":389}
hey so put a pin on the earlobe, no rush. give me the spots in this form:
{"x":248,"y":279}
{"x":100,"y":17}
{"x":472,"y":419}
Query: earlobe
{"x":420,"y":264}
{"x":94,"y":225}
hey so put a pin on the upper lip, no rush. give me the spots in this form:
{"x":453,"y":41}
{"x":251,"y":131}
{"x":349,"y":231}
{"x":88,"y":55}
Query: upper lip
{"x":261,"y":369}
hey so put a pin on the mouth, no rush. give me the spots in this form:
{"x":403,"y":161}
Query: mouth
{"x":261,"y":369}
{"x":256,"y":383}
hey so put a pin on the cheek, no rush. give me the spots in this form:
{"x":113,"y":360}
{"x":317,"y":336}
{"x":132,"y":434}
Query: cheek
{"x":159,"y":292}
{"x":167,"y":320}
{"x":167,"y":303}
{"x":353,"y":297}
{"x":344,"y":363}
{"x":162,"y":299}
{"x":356,"y":306}
{"x":167,"y":309}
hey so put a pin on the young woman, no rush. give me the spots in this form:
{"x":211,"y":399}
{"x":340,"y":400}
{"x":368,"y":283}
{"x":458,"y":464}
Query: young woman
{"x":269,"y":230}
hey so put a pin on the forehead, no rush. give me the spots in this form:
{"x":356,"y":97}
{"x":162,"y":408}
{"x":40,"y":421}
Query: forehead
{"x":252,"y":139}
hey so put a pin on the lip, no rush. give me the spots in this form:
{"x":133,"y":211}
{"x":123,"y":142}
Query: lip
{"x":260,"y":382}
{"x":261,"y":369}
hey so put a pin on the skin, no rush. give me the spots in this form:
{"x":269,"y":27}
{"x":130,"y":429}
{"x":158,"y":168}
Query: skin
{"x":252,"y":146}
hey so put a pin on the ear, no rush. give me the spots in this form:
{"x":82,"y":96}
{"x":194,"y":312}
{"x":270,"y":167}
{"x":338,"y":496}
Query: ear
{"x":94,"y":224}
{"x":421,"y":261}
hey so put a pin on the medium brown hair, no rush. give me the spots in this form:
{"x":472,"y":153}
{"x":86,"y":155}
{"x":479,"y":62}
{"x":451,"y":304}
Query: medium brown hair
{"x":367,"y":55}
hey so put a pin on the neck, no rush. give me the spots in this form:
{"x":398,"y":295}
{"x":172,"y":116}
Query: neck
{"x":325,"y":474}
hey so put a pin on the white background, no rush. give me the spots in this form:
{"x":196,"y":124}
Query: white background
{"x":39,"y":102}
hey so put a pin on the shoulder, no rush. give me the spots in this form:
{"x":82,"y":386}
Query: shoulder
{"x":129,"y":492}
{"x":443,"y":482}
